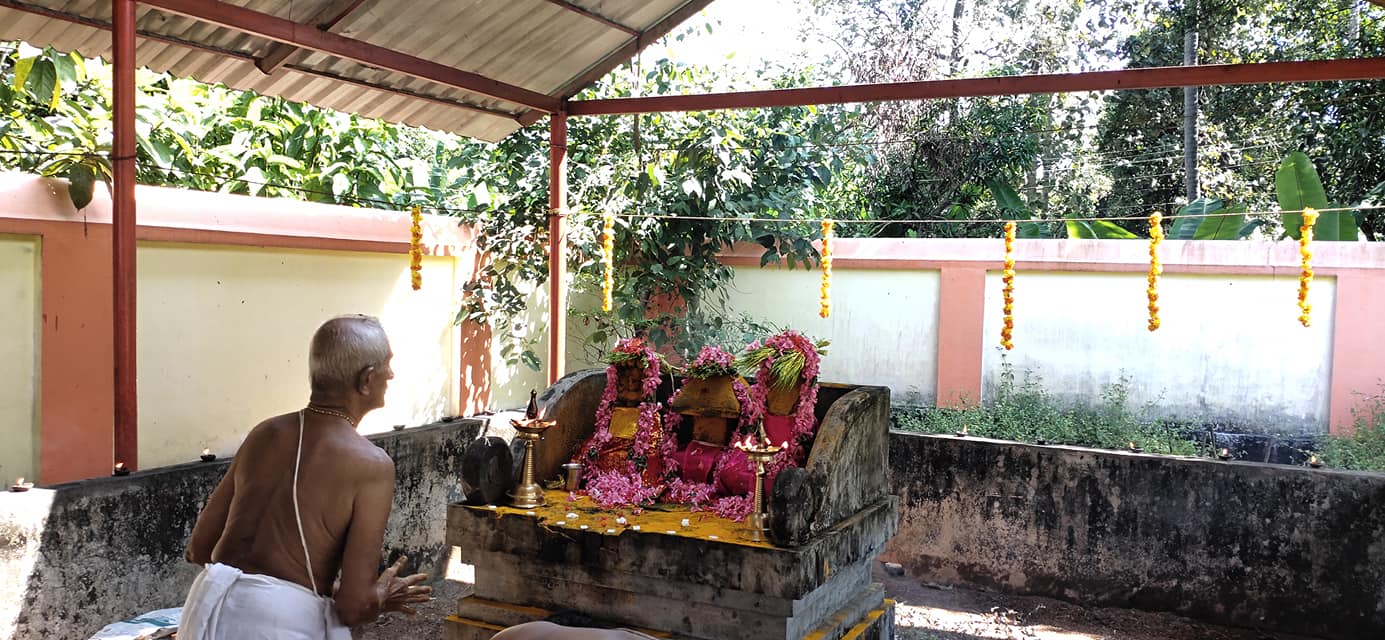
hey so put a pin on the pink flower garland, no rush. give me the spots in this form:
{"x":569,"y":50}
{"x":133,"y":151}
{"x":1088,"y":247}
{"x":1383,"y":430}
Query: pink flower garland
{"x":613,"y":489}
{"x":645,"y":425}
{"x":694,"y":493}
{"x":734,"y":507}
{"x":648,"y":412}
{"x":669,"y":446}
{"x":754,"y":404}
{"x":804,"y":419}
{"x":711,"y":359}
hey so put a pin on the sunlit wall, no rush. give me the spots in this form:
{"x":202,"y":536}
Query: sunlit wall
{"x":19,"y":277}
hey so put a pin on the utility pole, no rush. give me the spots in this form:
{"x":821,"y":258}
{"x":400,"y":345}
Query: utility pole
{"x":955,"y":64}
{"x":1190,"y":102}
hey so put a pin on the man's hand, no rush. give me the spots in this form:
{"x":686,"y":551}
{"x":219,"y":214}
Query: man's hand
{"x":396,"y":594}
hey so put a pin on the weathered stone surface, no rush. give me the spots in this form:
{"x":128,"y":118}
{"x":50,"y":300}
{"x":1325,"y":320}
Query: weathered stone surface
{"x":851,"y":450}
{"x":1283,"y":548}
{"x":781,"y":573}
{"x":793,"y":505}
{"x":77,"y":556}
{"x":572,"y":402}
{"x":487,"y":470}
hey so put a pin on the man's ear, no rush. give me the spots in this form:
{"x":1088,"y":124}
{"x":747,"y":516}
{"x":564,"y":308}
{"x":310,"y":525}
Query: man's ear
{"x":364,"y":378}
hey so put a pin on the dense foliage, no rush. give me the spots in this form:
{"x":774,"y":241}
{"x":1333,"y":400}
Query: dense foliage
{"x":686,"y":184}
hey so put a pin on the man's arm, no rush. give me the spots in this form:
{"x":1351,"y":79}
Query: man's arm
{"x":210,"y":523}
{"x":360,"y":598}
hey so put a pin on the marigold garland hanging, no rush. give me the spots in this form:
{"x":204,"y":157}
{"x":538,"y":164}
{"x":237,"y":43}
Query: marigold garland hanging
{"x":1305,"y":278}
{"x":1156,"y":236}
{"x":608,"y":259}
{"x":416,"y":248}
{"x":1008,"y":277}
{"x":825,"y":303}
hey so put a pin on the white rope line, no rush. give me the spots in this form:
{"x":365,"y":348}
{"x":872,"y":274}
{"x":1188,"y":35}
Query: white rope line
{"x":1215,"y":214}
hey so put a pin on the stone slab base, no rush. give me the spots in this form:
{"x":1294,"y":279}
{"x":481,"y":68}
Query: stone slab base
{"x":867,"y":617}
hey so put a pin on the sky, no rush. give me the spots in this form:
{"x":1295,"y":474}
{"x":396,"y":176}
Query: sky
{"x":750,"y":32}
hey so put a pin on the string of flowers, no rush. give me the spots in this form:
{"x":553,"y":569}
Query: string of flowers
{"x":416,"y":248}
{"x":1305,"y":278}
{"x":1156,"y":236}
{"x":627,"y":352}
{"x":1008,"y":277}
{"x":825,"y":305}
{"x":608,"y":253}
{"x":781,"y":361}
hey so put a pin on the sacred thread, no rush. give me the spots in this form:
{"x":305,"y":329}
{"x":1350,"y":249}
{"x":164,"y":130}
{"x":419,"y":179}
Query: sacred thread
{"x":608,"y":258}
{"x":1305,"y":278}
{"x":1156,"y":236}
{"x":416,"y":248}
{"x":1008,"y":277}
{"x":825,"y":301}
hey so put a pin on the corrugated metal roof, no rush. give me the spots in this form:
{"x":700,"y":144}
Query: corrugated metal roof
{"x":534,"y":44}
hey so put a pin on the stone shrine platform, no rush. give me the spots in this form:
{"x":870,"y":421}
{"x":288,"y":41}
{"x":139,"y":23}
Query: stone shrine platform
{"x":703,"y":580}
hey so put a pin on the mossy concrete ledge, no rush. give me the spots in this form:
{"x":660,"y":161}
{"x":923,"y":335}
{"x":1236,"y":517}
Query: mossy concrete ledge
{"x":77,"y":556}
{"x":1270,"y":547}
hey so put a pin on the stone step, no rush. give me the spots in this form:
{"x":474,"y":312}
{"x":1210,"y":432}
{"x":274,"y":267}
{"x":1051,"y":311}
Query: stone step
{"x":856,"y":618}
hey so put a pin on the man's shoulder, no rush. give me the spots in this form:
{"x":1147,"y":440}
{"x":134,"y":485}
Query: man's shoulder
{"x":367,"y":458}
{"x":268,"y":427}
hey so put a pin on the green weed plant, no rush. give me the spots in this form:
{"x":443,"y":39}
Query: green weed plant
{"x":1024,"y":411}
{"x":1364,"y":449}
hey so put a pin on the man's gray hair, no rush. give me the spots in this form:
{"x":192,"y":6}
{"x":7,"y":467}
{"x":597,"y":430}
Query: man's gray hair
{"x":342,"y":347}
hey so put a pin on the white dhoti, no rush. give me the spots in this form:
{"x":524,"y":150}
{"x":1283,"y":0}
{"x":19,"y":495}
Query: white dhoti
{"x":228,"y":604}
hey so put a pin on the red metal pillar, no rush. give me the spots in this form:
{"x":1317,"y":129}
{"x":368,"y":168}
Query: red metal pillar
{"x":557,"y":242}
{"x":123,"y":232}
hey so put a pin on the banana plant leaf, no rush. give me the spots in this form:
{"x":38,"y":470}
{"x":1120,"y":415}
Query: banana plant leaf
{"x":1014,"y":208}
{"x":1298,"y":187}
{"x":1098,"y":230}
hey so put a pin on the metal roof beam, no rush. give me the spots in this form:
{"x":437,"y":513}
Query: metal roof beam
{"x":622,"y":55}
{"x":106,"y":26}
{"x":602,"y":19}
{"x":1124,"y":79}
{"x":631,"y":48}
{"x":326,"y":18}
{"x":305,"y":37}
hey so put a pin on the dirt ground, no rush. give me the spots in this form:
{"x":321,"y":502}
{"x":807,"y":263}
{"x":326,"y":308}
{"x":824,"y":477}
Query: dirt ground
{"x":928,"y":613}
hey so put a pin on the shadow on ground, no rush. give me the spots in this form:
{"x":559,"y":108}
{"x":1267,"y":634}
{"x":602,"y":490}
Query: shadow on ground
{"x":927,"y":612}
{"x":932,"y":612}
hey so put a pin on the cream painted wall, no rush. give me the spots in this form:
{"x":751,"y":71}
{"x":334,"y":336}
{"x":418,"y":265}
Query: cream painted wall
{"x":1228,"y":346}
{"x":510,"y":384}
{"x":883,"y":327}
{"x":19,"y":302}
{"x":224,"y":331}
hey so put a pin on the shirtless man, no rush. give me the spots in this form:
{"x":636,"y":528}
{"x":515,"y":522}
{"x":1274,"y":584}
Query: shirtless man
{"x":305,"y":500}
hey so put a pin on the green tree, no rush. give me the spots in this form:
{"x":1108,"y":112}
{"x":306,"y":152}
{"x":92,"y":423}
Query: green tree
{"x":1247,"y":129}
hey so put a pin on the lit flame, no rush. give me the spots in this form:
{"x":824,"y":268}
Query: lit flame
{"x":206,"y":452}
{"x":20,"y":480}
{"x":119,"y":466}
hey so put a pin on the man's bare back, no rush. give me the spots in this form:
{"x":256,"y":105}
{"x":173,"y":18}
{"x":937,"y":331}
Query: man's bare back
{"x":338,"y":465}
{"x":344,"y":487}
